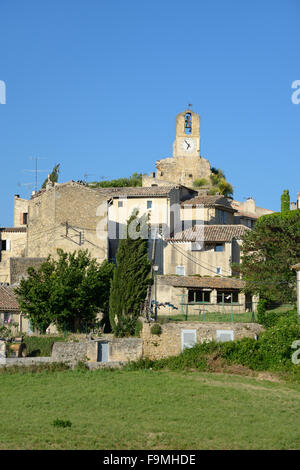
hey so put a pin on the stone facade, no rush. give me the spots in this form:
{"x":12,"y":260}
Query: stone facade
{"x":18,"y":267}
{"x":70,"y":352}
{"x":20,"y":211}
{"x":66,"y":216}
{"x":119,"y":350}
{"x":169,"y":342}
{"x":186,"y":165}
{"x":12,"y":244}
{"x":175,"y":290}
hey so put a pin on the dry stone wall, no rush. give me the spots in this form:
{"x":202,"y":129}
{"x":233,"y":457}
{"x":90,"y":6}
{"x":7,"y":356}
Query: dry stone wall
{"x":169,"y":342}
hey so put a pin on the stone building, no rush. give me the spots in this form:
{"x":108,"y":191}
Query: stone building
{"x":296,"y":205}
{"x":12,"y":244}
{"x":186,"y":165}
{"x":192,"y":233}
{"x":67,"y":216}
{"x":248,"y":212}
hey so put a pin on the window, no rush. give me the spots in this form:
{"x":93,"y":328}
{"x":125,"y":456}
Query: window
{"x":224,"y":335}
{"x":7,"y":318}
{"x":222,"y":217}
{"x":5,"y":245}
{"x":188,"y":123}
{"x":196,"y":246}
{"x":225,"y":296}
{"x":188,"y":338}
{"x":219,"y":247}
{"x":198,"y":295}
{"x":24,"y":218}
{"x":149,"y":204}
{"x":120,"y":203}
{"x":180,"y":270}
{"x":218,"y":270}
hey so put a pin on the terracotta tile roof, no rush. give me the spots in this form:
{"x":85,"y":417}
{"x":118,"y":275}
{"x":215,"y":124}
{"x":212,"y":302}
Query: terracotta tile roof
{"x":211,"y":233}
{"x":147,"y":191}
{"x":8,"y":301}
{"x":210,"y":201}
{"x":13,"y":229}
{"x":201,"y":282}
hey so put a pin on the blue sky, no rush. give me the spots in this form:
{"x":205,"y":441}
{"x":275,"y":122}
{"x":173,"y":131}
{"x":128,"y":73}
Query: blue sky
{"x":96,"y":86}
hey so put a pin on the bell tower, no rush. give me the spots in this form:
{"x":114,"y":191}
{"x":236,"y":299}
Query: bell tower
{"x":187,"y":142}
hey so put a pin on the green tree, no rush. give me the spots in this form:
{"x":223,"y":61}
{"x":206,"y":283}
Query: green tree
{"x":219,"y":183}
{"x":268,"y":252}
{"x":68,"y":291}
{"x":285,"y":201}
{"x":53,"y":176}
{"x":131,"y":277}
{"x":132,"y":181}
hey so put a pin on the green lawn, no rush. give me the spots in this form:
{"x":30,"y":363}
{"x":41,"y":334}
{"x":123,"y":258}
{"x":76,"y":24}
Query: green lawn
{"x":147,"y":410}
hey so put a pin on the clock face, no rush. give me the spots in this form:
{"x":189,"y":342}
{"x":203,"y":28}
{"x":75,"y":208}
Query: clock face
{"x":188,"y":145}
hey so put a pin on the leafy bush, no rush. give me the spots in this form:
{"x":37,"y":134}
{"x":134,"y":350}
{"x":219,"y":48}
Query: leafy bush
{"x":275,"y":343}
{"x":200,"y":182}
{"x":270,"y":318}
{"x":245,"y":351}
{"x":37,"y":346}
{"x":62,"y":423}
{"x":138,"y":328}
{"x":156,"y":329}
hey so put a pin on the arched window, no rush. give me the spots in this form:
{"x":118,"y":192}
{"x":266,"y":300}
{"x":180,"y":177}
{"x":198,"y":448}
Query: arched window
{"x":188,"y":123}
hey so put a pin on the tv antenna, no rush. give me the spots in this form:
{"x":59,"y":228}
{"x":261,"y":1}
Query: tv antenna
{"x":36,"y":171}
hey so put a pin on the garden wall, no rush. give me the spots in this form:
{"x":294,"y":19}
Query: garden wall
{"x":169,"y":342}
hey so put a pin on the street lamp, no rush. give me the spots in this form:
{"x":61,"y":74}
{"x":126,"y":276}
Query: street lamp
{"x":155,"y":269}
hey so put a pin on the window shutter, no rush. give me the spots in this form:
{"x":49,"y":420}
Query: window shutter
{"x":180,"y":270}
{"x":224,"y":335}
{"x":7,"y":245}
{"x":188,"y":338}
{"x":22,"y":218}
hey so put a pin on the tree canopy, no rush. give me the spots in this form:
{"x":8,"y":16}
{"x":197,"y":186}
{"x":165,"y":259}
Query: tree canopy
{"x":68,"y":291}
{"x":53,"y":176}
{"x":131,"y":277}
{"x":132,"y":181}
{"x":268,"y":252}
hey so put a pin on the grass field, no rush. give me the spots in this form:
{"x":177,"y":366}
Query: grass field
{"x":147,"y":410}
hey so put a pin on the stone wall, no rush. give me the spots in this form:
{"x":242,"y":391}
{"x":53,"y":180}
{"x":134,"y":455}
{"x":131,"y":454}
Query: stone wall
{"x":119,"y":350}
{"x":18,"y":267}
{"x":169,"y":343}
{"x":69,"y":352}
{"x":65,"y":216}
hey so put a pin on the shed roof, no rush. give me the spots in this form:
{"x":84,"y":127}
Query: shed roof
{"x":201,"y":282}
{"x":8,"y":300}
{"x":210,"y":233}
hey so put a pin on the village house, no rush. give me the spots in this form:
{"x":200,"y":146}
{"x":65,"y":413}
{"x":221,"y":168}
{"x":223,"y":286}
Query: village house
{"x":194,"y":236}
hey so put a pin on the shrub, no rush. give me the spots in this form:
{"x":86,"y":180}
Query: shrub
{"x":138,"y":328}
{"x":200,"y":182}
{"x":61,"y":423}
{"x":245,"y":351}
{"x":275,"y":343}
{"x":156,"y":329}
{"x":39,"y":345}
{"x":268,"y":319}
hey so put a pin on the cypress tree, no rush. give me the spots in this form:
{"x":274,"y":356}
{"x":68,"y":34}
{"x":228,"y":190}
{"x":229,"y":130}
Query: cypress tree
{"x":131,"y":277}
{"x":285,"y":201}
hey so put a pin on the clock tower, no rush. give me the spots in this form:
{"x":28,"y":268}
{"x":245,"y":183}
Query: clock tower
{"x":186,"y":165}
{"x":187,"y":141}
